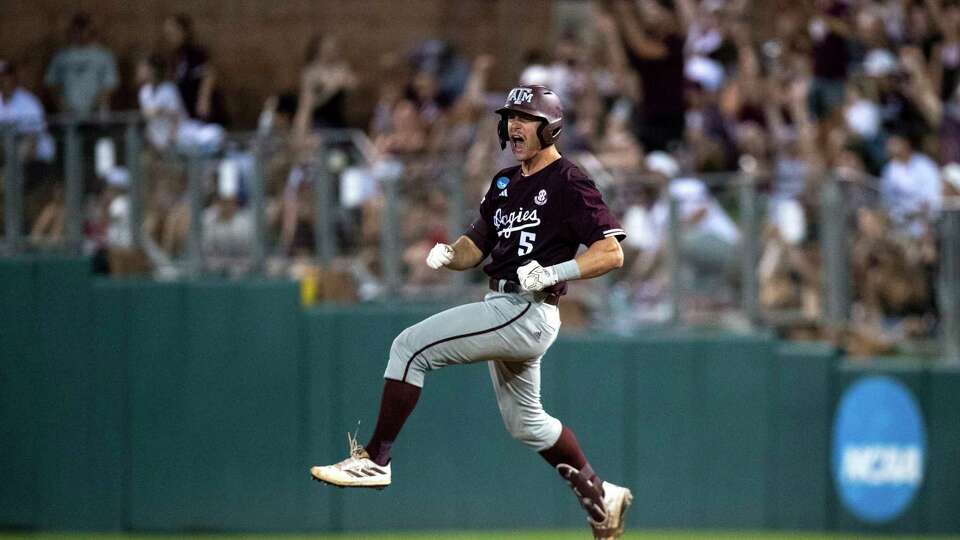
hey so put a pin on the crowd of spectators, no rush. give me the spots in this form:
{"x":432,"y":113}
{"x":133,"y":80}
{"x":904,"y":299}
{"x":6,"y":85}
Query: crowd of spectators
{"x":665,"y":99}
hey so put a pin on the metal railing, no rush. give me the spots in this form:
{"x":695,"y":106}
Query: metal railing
{"x":325,"y":166}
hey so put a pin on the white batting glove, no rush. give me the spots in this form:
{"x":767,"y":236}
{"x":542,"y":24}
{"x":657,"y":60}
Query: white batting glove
{"x":440,"y":255}
{"x":534,"y":277}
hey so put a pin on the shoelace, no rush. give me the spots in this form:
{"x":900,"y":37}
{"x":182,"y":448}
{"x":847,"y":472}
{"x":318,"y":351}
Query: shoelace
{"x":356,"y":451}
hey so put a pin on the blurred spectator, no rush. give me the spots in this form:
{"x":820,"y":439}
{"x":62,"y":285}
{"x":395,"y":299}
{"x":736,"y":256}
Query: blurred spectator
{"x":278,"y":113}
{"x":911,"y":189}
{"x":951,"y":180}
{"x":228,"y":234}
{"x":192,"y":72}
{"x":388,"y":92}
{"x":945,"y":54}
{"x":711,"y":48}
{"x":49,"y":228}
{"x":707,"y":138}
{"x":112,"y":235}
{"x":572,"y":75}
{"x":893,"y":275}
{"x":829,"y":30}
{"x":441,"y":60}
{"x":82,"y":75}
{"x":426,"y":224}
{"x":708,"y":237}
{"x":297,"y":206}
{"x":424,"y":92}
{"x":118,"y":209}
{"x":618,"y":150}
{"x":326,"y":79}
{"x":457,"y":129}
{"x":407,"y":133}
{"x":22,"y":112}
{"x":795,"y":158}
{"x":168,"y":126}
{"x":903,"y":91}
{"x":654,"y":45}
{"x":559,"y":74}
{"x":862,"y":119}
{"x":707,"y":34}
{"x":789,"y":269}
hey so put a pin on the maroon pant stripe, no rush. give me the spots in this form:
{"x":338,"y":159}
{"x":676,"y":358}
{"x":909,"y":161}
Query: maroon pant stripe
{"x":471,"y":334}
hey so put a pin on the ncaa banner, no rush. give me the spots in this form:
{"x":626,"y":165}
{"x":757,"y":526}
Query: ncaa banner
{"x":879,"y":449}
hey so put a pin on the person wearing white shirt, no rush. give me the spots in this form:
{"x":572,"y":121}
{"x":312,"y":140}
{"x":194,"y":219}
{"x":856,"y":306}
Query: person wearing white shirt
{"x":228,"y":228}
{"x":708,"y":236}
{"x":910,"y":187}
{"x":168,"y":124}
{"x":21,"y":111}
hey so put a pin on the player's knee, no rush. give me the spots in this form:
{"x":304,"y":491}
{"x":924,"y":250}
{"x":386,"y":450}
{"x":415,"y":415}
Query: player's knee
{"x":400,"y":348}
{"x":403,"y":364}
{"x":536,"y":429}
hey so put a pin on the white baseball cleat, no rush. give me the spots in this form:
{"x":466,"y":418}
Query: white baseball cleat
{"x":616,"y":501}
{"x":358,"y":470}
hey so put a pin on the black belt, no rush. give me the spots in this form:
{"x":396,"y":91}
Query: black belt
{"x":506,"y":286}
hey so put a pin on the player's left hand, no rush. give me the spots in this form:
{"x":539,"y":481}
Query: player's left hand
{"x":534,"y":277}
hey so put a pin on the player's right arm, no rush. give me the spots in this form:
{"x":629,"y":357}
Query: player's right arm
{"x":466,"y":254}
{"x":462,"y":255}
{"x":471,"y":248}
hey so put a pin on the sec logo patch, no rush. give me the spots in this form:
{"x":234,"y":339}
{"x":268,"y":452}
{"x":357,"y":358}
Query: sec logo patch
{"x":502,"y":182}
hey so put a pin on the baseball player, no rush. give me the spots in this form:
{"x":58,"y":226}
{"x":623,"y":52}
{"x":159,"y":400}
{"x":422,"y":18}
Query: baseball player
{"x":532,"y":220}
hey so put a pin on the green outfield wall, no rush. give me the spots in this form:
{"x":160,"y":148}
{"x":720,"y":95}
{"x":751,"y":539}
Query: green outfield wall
{"x":200,"y":406}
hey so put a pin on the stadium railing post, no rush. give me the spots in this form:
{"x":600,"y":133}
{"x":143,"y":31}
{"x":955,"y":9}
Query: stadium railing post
{"x":258,"y":207}
{"x":673,"y":260}
{"x":325,"y":242}
{"x":13,"y":198}
{"x":749,"y":249}
{"x":133,"y":149}
{"x":836,"y":255}
{"x":390,"y":251}
{"x":949,"y":280}
{"x":195,"y":193}
{"x":73,"y":175}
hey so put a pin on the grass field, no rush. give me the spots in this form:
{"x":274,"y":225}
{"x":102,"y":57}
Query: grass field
{"x":495,"y":535}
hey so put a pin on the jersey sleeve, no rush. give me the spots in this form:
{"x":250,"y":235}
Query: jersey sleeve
{"x":480,"y":231}
{"x":588,"y":216}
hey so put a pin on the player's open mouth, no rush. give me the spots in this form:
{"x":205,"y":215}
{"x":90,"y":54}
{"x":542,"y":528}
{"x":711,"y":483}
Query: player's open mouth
{"x":516,"y":143}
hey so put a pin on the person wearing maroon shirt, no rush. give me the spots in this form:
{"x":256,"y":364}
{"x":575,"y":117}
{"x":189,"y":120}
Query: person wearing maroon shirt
{"x":653,"y":46}
{"x":193,"y":72}
{"x":829,"y":31}
{"x":532,"y":220}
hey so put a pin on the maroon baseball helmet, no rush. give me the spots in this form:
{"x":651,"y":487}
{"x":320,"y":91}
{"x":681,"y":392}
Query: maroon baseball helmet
{"x":538,"y":101}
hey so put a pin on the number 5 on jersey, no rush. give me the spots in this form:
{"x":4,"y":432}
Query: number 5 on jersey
{"x":526,"y":242}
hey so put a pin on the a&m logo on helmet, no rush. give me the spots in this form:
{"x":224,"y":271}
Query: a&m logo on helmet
{"x":520,"y":96}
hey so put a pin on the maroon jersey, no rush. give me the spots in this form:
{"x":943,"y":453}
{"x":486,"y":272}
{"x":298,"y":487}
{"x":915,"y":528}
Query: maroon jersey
{"x":543,"y":217}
